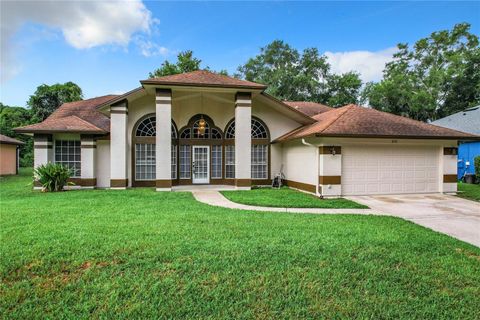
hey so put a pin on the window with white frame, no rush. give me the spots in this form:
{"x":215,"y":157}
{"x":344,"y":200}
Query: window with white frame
{"x":68,"y":153}
{"x":145,"y":161}
{"x":259,"y":161}
{"x":216,"y":162}
{"x":185,"y":162}
{"x":174,"y":161}
{"x":230,"y":162}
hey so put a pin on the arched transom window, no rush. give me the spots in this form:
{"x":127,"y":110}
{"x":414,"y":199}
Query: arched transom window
{"x":192,"y":131}
{"x":148,"y":128}
{"x":259,"y":130}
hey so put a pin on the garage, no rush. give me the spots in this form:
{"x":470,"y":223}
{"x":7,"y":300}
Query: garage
{"x":390,"y":169}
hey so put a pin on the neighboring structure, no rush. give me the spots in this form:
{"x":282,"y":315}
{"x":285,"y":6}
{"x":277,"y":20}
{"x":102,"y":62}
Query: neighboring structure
{"x":205,"y":128}
{"x":466,"y":121}
{"x":9,"y":155}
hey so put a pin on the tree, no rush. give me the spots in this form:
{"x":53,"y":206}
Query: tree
{"x":344,"y":89}
{"x":306,"y":76}
{"x":438,"y":76}
{"x":186,"y":62}
{"x":12,"y":117}
{"x":47,"y":99}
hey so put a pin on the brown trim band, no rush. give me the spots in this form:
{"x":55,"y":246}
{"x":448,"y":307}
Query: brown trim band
{"x":43,"y":137}
{"x":161,"y":92}
{"x":84,"y":182}
{"x":301,"y":186}
{"x":123,"y":102}
{"x":118,"y":183}
{"x":329,"y":149}
{"x":450,"y":178}
{"x":243,"y":105}
{"x":43,"y":146}
{"x":243,"y":182}
{"x":330,"y":179}
{"x":88,"y":146}
{"x":450,"y":151}
{"x":164,"y":183}
{"x":118,"y":112}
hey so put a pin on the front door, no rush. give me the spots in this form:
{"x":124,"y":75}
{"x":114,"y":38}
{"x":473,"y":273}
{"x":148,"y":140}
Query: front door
{"x":201,"y":164}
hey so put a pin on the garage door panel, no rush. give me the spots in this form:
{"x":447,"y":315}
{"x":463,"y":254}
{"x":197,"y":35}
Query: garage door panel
{"x":389,"y":170}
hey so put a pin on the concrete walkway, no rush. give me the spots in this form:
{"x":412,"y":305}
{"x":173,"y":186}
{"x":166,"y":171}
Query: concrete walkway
{"x":215,"y":198}
{"x":447,"y":214}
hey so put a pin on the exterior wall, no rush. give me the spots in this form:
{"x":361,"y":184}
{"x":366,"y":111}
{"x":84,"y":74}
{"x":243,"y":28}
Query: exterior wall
{"x":300,"y":166}
{"x":102,"y":167}
{"x":467,"y":152}
{"x":8,"y":159}
{"x":448,"y":166}
{"x":119,"y":178}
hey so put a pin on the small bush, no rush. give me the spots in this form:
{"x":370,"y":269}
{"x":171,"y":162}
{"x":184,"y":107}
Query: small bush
{"x":52,"y":176}
{"x":476,"y":162}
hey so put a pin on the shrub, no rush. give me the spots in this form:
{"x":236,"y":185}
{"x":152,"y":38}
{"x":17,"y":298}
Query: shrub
{"x":52,"y":176}
{"x":476,"y":162}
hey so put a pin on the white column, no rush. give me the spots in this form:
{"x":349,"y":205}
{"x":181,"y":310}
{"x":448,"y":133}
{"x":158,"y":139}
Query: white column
{"x":118,"y":145}
{"x":330,"y":175}
{"x":243,"y":140}
{"x":163,"y":139}
{"x":88,"y":155}
{"x":43,"y":152}
{"x":449,"y":164}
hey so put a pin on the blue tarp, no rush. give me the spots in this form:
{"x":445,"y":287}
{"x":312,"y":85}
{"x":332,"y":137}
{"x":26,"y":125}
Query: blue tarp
{"x":467,"y":151}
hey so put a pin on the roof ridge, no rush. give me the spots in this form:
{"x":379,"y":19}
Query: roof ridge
{"x":83,"y":120}
{"x":347,"y":108}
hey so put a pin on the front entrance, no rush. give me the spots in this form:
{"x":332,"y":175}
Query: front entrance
{"x":201,"y":164}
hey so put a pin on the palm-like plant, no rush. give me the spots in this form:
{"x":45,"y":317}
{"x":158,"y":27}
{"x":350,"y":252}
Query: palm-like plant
{"x":52,"y":176}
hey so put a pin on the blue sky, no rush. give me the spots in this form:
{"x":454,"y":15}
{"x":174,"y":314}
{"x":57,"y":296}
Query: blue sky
{"x":108,"y":47}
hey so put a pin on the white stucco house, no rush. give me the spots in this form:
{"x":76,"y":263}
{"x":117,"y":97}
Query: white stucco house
{"x":205,"y":128}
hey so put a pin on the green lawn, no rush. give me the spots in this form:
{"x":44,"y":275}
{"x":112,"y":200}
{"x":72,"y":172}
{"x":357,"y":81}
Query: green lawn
{"x":287,"y":198}
{"x":469,"y":191}
{"x":145,"y":254}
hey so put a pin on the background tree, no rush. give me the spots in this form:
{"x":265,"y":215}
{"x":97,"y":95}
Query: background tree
{"x":306,"y":76}
{"x":12,"y":117}
{"x":47,"y":99}
{"x":186,"y":62}
{"x":438,"y":76}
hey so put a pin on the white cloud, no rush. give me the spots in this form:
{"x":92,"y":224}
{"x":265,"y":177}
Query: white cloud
{"x":369,"y":64}
{"x":84,"y":24}
{"x":150,"y":49}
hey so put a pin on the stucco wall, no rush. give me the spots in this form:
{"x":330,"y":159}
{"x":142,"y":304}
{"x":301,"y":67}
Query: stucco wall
{"x":8,"y":159}
{"x":103,"y":164}
{"x":300,"y":163}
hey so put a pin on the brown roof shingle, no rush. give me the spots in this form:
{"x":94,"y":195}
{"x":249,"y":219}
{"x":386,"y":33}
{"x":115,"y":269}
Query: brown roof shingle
{"x":204,"y":78}
{"x":78,"y":116}
{"x":308,"y":108}
{"x":7,"y":140}
{"x":356,"y":121}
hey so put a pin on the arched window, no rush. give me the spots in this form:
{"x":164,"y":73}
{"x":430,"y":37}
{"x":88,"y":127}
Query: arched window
{"x":259,"y":155}
{"x":144,"y":152}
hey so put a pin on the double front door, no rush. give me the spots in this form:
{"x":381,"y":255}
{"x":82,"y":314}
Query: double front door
{"x":201,"y":164}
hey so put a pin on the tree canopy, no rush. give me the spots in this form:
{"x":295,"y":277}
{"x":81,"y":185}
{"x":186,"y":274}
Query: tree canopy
{"x":47,"y":99}
{"x":437,"y":76}
{"x":186,"y":62}
{"x":306,"y":76}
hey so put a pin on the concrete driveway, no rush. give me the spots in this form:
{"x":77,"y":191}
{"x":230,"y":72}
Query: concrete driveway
{"x":451,"y":215}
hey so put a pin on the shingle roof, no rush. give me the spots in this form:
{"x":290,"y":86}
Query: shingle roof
{"x":466,"y":121}
{"x":356,"y":121}
{"x":308,"y":108}
{"x":204,"y":78}
{"x":8,"y":140}
{"x":79,"y":116}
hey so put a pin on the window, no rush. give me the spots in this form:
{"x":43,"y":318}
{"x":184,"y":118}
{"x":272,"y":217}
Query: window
{"x":258,"y":130}
{"x":186,"y":134}
{"x":230,"y":132}
{"x":147,"y":128}
{"x":145,"y":161}
{"x":185,"y":161}
{"x":230,"y":162}
{"x":259,"y":161}
{"x":68,"y":153}
{"x":174,"y":162}
{"x":216,"y":162}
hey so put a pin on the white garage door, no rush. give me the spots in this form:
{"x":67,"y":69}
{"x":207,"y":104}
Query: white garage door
{"x":389,"y":169}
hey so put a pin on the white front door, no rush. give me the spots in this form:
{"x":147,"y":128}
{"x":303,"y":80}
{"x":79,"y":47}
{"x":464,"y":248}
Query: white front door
{"x":201,"y":164}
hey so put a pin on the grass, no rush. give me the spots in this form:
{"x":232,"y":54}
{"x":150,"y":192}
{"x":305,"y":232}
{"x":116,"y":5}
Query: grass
{"x":469,"y":191}
{"x":287,"y":198}
{"x":145,"y":254}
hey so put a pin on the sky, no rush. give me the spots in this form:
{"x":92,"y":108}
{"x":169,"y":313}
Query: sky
{"x":106,"y":47}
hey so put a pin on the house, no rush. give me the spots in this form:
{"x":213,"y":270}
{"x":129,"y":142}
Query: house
{"x":466,"y":121}
{"x":9,"y":149}
{"x":205,"y":128}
